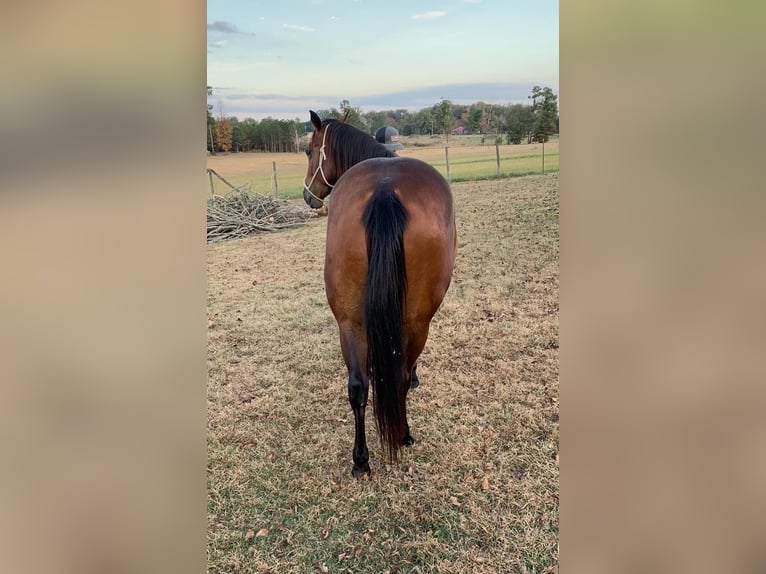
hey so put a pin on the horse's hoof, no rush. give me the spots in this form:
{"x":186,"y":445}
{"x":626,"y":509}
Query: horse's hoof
{"x":408,"y":440}
{"x":359,"y":473}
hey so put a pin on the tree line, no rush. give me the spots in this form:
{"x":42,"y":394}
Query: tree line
{"x":515,"y":123}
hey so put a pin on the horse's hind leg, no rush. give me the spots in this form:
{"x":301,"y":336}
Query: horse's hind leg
{"x":415,"y":343}
{"x":358,"y":387}
{"x":357,"y":396}
{"x":414,"y":381}
{"x":407,"y":440}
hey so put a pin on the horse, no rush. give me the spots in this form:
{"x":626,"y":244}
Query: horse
{"x":389,"y":257}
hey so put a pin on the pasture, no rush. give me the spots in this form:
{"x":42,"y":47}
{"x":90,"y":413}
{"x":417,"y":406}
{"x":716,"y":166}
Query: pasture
{"x":477,"y":492}
{"x":468,"y":161}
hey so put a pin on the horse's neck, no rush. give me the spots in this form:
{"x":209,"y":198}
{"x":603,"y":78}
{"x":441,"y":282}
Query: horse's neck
{"x":374,"y":153}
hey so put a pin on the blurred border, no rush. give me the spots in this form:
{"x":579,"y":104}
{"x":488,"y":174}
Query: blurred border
{"x":102,"y":298}
{"x":662,"y":321}
{"x":103,"y":295}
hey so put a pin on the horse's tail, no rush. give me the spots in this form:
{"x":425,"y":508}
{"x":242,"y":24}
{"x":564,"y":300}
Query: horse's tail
{"x":385,"y":294}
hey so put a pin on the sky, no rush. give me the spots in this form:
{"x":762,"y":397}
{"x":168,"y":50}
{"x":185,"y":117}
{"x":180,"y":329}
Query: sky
{"x":281,"y":58}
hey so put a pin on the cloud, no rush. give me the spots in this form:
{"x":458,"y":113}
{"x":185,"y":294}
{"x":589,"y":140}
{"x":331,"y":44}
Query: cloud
{"x":297,"y":27}
{"x":220,"y":26}
{"x":218,"y":44}
{"x":227,"y":28}
{"x":432,"y":15}
{"x":418,"y":98}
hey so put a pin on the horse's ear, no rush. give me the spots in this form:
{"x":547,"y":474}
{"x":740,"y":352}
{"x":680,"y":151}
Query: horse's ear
{"x":317,"y":123}
{"x":345,"y":117}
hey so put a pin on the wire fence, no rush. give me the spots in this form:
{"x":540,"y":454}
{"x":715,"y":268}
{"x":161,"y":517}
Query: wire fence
{"x":280,"y":175}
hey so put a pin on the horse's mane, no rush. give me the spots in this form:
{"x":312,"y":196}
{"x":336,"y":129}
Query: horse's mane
{"x":350,"y":145}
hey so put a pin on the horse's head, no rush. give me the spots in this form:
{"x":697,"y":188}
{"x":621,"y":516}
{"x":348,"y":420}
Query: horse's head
{"x":334,"y":147}
{"x":322,"y":174}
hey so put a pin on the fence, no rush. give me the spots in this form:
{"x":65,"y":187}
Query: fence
{"x":466,"y":163}
{"x":281,"y":174}
{"x":274,"y":189}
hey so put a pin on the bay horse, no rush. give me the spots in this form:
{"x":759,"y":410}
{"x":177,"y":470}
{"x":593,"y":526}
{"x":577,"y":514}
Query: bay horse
{"x":389,"y":257}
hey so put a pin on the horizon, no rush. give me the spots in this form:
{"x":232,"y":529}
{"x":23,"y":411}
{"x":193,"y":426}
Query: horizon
{"x":281,"y":107}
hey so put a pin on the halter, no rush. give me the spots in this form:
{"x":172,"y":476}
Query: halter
{"x":322,"y":157}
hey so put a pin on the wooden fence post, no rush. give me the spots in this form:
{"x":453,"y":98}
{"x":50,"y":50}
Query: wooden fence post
{"x":212,"y":185}
{"x":497,"y":154}
{"x":219,"y":176}
{"x":274,"y":171}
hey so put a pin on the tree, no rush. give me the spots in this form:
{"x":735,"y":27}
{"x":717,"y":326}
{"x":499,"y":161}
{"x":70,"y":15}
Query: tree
{"x":529,"y":123}
{"x":375,"y":120}
{"x":474,"y":118}
{"x":250,"y":129}
{"x":444,"y":118}
{"x":488,"y":120}
{"x":535,"y":122}
{"x":353,"y":115}
{"x":353,"y":118}
{"x":407,"y":127}
{"x":223,"y":134}
{"x":223,"y":130}
{"x":297,"y":129}
{"x":424,"y":121}
{"x":517,"y":123}
{"x":238,"y":134}
{"x":545,"y":112}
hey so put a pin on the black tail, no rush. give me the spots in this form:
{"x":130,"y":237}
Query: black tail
{"x":385,"y":294}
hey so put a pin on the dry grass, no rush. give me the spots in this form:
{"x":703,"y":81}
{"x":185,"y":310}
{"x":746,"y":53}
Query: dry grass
{"x":431,"y":154}
{"x":478,"y":491}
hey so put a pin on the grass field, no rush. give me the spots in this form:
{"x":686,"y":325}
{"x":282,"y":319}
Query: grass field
{"x":468,"y":161}
{"x":477,"y":492}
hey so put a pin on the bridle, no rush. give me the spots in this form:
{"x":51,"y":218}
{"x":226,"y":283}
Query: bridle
{"x":322,"y":157}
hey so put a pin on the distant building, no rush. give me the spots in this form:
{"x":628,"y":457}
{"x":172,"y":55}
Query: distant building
{"x":459,"y":131}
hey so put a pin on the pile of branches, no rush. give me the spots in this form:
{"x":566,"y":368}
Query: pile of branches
{"x":241,"y":213}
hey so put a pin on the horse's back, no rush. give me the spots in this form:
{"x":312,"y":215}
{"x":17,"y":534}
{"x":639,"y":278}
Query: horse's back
{"x":422,"y":189}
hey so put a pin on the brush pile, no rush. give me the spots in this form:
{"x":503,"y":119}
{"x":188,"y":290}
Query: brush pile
{"x":241,"y":213}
